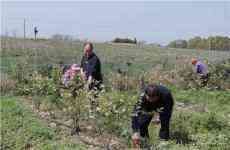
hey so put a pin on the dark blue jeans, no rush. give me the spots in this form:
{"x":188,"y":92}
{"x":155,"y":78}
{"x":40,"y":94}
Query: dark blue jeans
{"x":165,"y":120}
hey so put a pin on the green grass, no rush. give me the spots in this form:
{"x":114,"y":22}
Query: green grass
{"x":216,"y":101}
{"x":20,"y":128}
{"x":202,"y":124}
{"x":190,"y":128}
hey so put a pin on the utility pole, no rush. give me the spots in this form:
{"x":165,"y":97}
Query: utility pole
{"x":210,"y":44}
{"x":24,"y":33}
{"x":24,"y":28}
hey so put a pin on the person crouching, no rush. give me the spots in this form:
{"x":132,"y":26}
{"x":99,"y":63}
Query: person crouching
{"x":154,"y":98}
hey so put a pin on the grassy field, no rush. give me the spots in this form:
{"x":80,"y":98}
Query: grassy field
{"x":200,"y":119}
{"x":128,"y":57}
{"x":22,"y":129}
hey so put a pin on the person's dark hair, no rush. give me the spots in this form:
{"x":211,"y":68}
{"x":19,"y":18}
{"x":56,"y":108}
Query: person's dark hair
{"x":151,"y":90}
{"x":90,"y":44}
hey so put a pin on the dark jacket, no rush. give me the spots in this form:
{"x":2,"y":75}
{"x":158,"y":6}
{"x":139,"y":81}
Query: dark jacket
{"x":92,"y":67}
{"x":164,"y":106}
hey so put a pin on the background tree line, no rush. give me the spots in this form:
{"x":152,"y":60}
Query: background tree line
{"x":211,"y":43}
{"x":125,"y":40}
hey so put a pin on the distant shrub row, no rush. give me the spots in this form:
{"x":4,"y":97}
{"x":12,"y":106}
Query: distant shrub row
{"x":125,"y":40}
{"x":211,"y":43}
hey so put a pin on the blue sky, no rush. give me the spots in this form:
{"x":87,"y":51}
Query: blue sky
{"x":154,"y":22}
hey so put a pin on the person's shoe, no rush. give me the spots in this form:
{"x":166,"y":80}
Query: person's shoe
{"x":75,"y":131}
